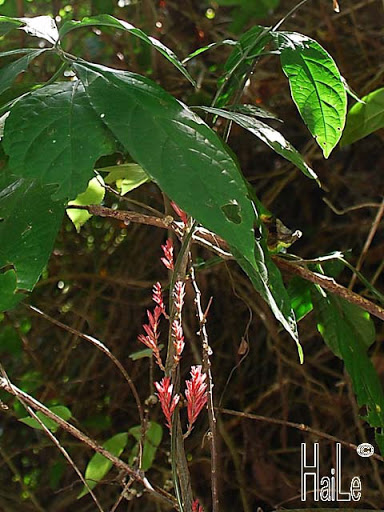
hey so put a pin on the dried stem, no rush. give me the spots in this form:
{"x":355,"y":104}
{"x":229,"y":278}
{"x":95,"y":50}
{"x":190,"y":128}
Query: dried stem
{"x":207,"y":352}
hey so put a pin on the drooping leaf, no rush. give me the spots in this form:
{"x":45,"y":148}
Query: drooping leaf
{"x":126,"y":176}
{"x":7,"y":24}
{"x":240,"y":62}
{"x":210,"y":46}
{"x":99,"y":466}
{"x":30,"y":220}
{"x":349,"y":331}
{"x":253,"y":110}
{"x":152,"y":440}
{"x":364,"y":118}
{"x":59,"y":410}
{"x":183,"y":155}
{"x":316,"y":87}
{"x":105,"y":20}
{"x":9,"y":72}
{"x":94,"y":194}
{"x":43,"y":27}
{"x":54,"y":135}
{"x":268,"y":135}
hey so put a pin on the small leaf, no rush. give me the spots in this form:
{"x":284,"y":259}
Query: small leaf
{"x":9,"y":72}
{"x":268,"y":135}
{"x":152,"y":440}
{"x":94,"y":194}
{"x":99,"y":466}
{"x":203,"y":49}
{"x":8,"y":288}
{"x":126,"y":176}
{"x":59,"y":410}
{"x":364,"y":118}
{"x":316,"y":87}
{"x":53,"y":134}
{"x":105,"y":20}
{"x":41,"y":26}
{"x":140,"y":354}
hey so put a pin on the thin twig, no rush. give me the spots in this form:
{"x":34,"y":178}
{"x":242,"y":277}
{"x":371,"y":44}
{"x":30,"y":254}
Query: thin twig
{"x":207,"y":352}
{"x":297,"y":426}
{"x":155,"y":491}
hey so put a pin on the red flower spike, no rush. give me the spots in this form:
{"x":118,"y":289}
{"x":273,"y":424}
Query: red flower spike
{"x":196,"y":394}
{"x":181,"y":213}
{"x":168,"y":254}
{"x":152,"y":335}
{"x":167,"y":402}
{"x":178,"y":341}
{"x":196,"y":507}
{"x":179,"y":294}
{"x":157,"y":297}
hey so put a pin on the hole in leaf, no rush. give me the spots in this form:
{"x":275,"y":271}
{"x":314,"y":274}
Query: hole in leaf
{"x":232,"y":212}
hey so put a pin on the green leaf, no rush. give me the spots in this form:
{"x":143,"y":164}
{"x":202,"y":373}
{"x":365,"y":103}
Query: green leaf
{"x":105,"y":20}
{"x":8,"y":288}
{"x":94,"y":194}
{"x":152,"y":440}
{"x":364,"y":118}
{"x":30,"y":220}
{"x":268,"y":135}
{"x":9,"y":72}
{"x":99,"y":466}
{"x":53,"y":134}
{"x":183,"y":155}
{"x":126,"y":176}
{"x":140,"y":354}
{"x":300,"y":294}
{"x":240,"y":62}
{"x":316,"y":87}
{"x":59,"y":410}
{"x":349,"y":331}
{"x":7,"y":24}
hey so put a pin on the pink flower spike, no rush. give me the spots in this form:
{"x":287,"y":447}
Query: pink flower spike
{"x":181,"y":213}
{"x":157,"y":297}
{"x":196,"y":394}
{"x":168,"y":254}
{"x":152,"y":335}
{"x":196,"y":507}
{"x":179,"y":294}
{"x":167,"y":402}
{"x":178,"y":341}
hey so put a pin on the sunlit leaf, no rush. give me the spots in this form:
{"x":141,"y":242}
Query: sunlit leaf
{"x":94,"y":194}
{"x":41,"y":26}
{"x":99,"y":466}
{"x":126,"y":176}
{"x":59,"y":410}
{"x":316,"y":87}
{"x":364,"y":118}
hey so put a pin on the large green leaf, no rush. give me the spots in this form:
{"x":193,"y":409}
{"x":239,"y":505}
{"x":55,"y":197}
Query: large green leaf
{"x":364,"y":118}
{"x":273,"y":138}
{"x":185,"y":157}
{"x":105,"y":20}
{"x":29,"y":223}
{"x":53,"y":134}
{"x":316,"y":87}
{"x":99,"y":466}
{"x":349,"y":331}
{"x":9,"y":72}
